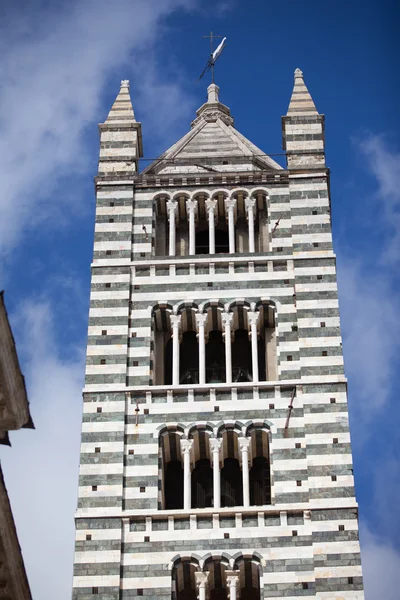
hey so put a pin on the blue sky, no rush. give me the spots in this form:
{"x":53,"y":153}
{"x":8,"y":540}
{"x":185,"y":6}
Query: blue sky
{"x":62,"y":63}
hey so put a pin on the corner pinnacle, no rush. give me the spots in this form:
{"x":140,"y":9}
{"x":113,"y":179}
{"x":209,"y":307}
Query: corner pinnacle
{"x":301,"y":102}
{"x":122,"y":109}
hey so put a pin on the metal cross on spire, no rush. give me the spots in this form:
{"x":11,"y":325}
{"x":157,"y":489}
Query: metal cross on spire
{"x":214,"y":54}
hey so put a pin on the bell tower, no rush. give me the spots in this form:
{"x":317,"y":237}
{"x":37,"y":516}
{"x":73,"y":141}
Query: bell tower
{"x":215,"y":456}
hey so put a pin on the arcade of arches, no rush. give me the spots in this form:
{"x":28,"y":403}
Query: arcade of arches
{"x":200,"y":470}
{"x":212,"y":223}
{"x":216,"y":345}
{"x":217,"y":580}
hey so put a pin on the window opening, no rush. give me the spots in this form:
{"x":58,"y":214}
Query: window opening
{"x":249,"y":579}
{"x":215,"y":358}
{"x":172,"y":471}
{"x":231,"y":472}
{"x":202,"y":474}
{"x":189,"y":358}
{"x":260,"y":472}
{"x":241,"y":356}
{"x":183,"y":581}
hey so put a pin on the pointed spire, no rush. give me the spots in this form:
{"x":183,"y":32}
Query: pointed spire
{"x":301,"y":102}
{"x":120,"y":137}
{"x":122,"y":109}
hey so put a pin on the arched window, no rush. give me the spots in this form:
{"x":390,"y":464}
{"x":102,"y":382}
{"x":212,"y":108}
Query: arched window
{"x":189,"y":358}
{"x":183,"y":580}
{"x":217,"y":584}
{"x":241,"y":356}
{"x":267,"y":352}
{"x":162,"y":347}
{"x":172,"y":470}
{"x":231,"y":472}
{"x":249,"y":578}
{"x":215,"y":358}
{"x":202,"y":474}
{"x":260,"y":469}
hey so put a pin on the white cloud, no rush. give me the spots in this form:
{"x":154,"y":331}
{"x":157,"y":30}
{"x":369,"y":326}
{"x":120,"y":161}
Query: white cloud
{"x":41,"y":467}
{"x":371,"y":333}
{"x":369,"y":299}
{"x":383,"y":162}
{"x":381,"y":567}
{"x":53,"y":74}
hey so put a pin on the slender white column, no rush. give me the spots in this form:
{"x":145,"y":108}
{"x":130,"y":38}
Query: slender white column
{"x":227,"y":320}
{"x":215,"y":445}
{"x":232,"y":582}
{"x":250,"y":204}
{"x":201,"y":584}
{"x":175,"y":324}
{"x":186,"y":446}
{"x":211,"y":206}
{"x":172,"y":206}
{"x":253,"y":318}
{"x":201,"y":321}
{"x":230,"y":204}
{"x":191,"y":209}
{"x":244,"y":444}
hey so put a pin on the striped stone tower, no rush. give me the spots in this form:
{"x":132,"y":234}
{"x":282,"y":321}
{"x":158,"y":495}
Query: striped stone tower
{"x":215,"y":458}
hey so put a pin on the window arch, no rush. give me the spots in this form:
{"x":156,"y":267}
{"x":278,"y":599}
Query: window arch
{"x":183,"y":579}
{"x":260,"y":467}
{"x":249,"y":572}
{"x":231,"y":472}
{"x":217,"y":568}
{"x":202,"y":473}
{"x":172,"y":469}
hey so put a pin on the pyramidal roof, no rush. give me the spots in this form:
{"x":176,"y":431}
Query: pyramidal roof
{"x":122,"y":109}
{"x":213,"y":144}
{"x":301,"y":102}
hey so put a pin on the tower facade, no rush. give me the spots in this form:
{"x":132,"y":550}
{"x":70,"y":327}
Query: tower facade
{"x":215,"y":458}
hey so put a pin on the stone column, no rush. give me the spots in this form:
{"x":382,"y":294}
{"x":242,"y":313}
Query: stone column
{"x":191,"y":209}
{"x":250,"y":205}
{"x":201,"y":584}
{"x":215,"y":445}
{"x":253,"y":318}
{"x":172,"y":206}
{"x":211,"y":206}
{"x":186,"y":446}
{"x":244,"y":444}
{"x":230,"y":205}
{"x":232,"y":583}
{"x":175,"y":324}
{"x":227,"y":320}
{"x":201,"y":322}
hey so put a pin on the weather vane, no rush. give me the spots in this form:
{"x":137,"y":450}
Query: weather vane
{"x":214,"y":54}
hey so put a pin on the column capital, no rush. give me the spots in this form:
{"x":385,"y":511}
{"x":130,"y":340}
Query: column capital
{"x":191,"y":207}
{"x":211,"y":205}
{"x":186,"y":446}
{"x":227,"y":319}
{"x":201,"y":319}
{"x":175,"y":321}
{"x":172,"y":206}
{"x":244,"y":444}
{"x":230,"y":204}
{"x":232,"y":577}
{"x":201,"y":578}
{"x":252,"y":317}
{"x":249,"y":204}
{"x":215,"y":445}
